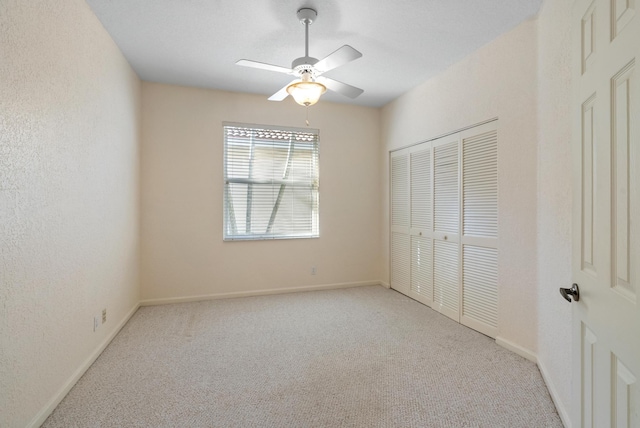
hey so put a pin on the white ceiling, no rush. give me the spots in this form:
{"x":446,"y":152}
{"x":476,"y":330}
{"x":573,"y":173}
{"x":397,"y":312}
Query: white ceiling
{"x":404,"y":42}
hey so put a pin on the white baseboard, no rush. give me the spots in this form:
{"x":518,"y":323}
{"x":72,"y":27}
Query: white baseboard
{"x":215,"y":296}
{"x":560,"y":407}
{"x":385,"y":284}
{"x":517,"y":349}
{"x":57,"y":398}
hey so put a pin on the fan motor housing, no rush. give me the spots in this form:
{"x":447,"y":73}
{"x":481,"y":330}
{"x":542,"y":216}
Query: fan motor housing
{"x":305,"y":62}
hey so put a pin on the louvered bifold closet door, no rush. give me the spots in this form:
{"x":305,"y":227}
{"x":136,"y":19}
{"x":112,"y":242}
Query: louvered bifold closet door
{"x":446,"y":201}
{"x":444,"y":225}
{"x":480,"y":229}
{"x":421,"y":224}
{"x":400,"y":214}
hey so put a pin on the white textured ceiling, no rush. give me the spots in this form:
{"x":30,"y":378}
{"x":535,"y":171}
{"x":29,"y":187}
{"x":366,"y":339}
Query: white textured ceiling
{"x":404,"y":42}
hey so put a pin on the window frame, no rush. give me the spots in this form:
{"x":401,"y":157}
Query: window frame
{"x":315,"y":186}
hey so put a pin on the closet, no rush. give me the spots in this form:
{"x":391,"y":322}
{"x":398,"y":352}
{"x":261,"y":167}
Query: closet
{"x":444,"y":225}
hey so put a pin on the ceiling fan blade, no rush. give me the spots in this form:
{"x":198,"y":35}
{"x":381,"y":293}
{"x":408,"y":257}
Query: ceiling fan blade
{"x":281,"y":94}
{"x":341,"y":88}
{"x":337,"y":58}
{"x":263,"y":66}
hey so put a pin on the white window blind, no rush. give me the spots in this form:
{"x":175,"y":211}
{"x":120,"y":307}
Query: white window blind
{"x":270,"y":182}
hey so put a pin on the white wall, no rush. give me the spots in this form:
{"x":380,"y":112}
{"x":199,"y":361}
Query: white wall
{"x":183,"y":254}
{"x":69,"y":114}
{"x":554,"y":199}
{"x":498,"y":80}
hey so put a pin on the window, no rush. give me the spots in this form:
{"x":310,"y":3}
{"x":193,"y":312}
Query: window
{"x":270,"y":182}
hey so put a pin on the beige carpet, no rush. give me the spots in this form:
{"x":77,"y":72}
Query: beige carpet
{"x":360,"y":357}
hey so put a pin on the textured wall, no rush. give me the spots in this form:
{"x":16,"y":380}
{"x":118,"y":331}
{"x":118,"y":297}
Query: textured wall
{"x":498,"y":80}
{"x":69,"y":113}
{"x":554,"y":198}
{"x":183,"y":253}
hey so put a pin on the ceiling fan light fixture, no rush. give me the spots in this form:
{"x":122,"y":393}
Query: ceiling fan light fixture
{"x":306,"y":93}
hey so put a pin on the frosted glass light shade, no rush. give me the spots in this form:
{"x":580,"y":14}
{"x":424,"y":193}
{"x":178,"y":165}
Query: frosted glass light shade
{"x":306,"y":93}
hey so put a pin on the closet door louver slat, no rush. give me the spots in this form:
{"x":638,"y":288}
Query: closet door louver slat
{"x":480,"y":301}
{"x":400,"y":190}
{"x":445,"y":278}
{"x":480,"y":185}
{"x":446,"y":188}
{"x":400,"y":262}
{"x":422,"y":269}
{"x":421,"y":189}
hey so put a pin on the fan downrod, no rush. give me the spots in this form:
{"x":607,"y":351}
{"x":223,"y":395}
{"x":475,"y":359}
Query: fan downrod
{"x":304,"y":64}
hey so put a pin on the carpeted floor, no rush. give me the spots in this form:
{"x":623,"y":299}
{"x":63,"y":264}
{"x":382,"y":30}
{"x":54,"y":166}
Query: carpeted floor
{"x":358,"y":357}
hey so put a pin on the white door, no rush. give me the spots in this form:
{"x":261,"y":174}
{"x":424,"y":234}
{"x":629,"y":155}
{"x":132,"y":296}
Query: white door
{"x":400,"y":212}
{"x":606,"y":213}
{"x":421,"y":229}
{"x":446,"y":227}
{"x":479,"y":229}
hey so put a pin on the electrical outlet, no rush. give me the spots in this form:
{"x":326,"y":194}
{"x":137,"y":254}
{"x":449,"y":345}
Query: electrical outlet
{"x":104,"y":315}
{"x":96,"y":322}
{"x":313,"y":270}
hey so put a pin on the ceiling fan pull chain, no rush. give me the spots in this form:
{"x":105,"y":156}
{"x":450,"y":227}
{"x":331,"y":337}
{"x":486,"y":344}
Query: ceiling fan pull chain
{"x":307,"y":121}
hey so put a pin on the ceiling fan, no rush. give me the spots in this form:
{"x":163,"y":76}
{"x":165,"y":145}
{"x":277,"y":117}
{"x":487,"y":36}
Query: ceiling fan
{"x":310,"y":84}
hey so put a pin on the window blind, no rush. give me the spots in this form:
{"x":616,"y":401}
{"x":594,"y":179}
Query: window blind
{"x":271,"y":182}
